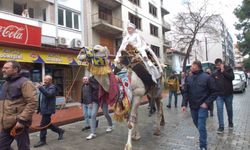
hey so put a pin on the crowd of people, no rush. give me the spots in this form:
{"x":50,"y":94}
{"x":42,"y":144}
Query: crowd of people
{"x":200,"y":89}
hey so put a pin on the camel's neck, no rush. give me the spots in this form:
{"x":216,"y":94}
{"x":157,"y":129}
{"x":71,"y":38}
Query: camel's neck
{"x":101,"y":74}
{"x":103,"y":80}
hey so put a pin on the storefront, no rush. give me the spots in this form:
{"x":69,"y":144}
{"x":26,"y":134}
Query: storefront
{"x":22,"y":43}
{"x":62,"y":67}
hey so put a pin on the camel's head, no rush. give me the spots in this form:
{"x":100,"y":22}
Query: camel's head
{"x":100,"y":51}
{"x":97,"y":56}
{"x":85,"y":54}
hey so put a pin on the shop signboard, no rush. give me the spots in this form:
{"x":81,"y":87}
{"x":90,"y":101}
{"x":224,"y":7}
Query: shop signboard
{"x":24,"y":55}
{"x":18,"y":33}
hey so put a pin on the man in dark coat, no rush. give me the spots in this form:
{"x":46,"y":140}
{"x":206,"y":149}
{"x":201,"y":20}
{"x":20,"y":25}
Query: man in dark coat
{"x":224,"y":76}
{"x":199,"y":91}
{"x":47,"y":106}
{"x":86,"y":101}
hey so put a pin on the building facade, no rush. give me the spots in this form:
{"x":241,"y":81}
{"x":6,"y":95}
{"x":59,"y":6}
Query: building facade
{"x":45,"y":37}
{"x":109,"y":21}
{"x":208,"y":47}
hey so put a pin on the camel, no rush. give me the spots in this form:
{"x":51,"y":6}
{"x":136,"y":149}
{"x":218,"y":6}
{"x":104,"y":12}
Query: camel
{"x":139,"y":90}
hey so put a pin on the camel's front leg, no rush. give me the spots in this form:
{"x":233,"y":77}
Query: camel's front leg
{"x":132,"y":123}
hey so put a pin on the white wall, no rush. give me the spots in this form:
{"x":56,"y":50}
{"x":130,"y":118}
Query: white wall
{"x":146,"y":18}
{"x":73,"y":4}
{"x":48,"y":29}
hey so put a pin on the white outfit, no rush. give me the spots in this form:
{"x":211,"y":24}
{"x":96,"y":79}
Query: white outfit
{"x":136,"y":40}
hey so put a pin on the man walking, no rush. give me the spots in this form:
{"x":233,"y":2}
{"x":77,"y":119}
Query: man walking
{"x":173,"y":85}
{"x":86,"y":101}
{"x":199,"y":91}
{"x":47,"y":105}
{"x":17,"y":104}
{"x":224,"y":76}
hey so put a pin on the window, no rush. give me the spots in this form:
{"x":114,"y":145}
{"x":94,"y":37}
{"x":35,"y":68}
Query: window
{"x":156,"y":50}
{"x":76,"y":21}
{"x":31,"y":12}
{"x":68,"y":19}
{"x":152,"y":10}
{"x":18,"y":8}
{"x":105,"y":14}
{"x":136,"y":2}
{"x":153,"y":30}
{"x":44,"y":15}
{"x":60,"y":17}
{"x":135,"y":20}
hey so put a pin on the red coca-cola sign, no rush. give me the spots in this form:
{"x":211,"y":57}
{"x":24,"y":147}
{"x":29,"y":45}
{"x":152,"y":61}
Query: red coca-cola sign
{"x":13,"y":32}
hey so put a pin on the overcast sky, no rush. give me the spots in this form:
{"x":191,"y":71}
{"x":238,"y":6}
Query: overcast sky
{"x":223,"y":7}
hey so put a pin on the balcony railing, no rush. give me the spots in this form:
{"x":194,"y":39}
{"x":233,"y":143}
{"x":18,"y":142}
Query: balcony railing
{"x":101,"y":17}
{"x":111,"y":3}
{"x":166,"y":25}
{"x":166,"y":42}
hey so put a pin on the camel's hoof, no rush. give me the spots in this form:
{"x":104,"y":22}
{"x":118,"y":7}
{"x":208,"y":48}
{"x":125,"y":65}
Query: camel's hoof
{"x":130,"y":126}
{"x":136,"y":137}
{"x":157,"y":132}
{"x":162,"y":123}
{"x":128,"y":147}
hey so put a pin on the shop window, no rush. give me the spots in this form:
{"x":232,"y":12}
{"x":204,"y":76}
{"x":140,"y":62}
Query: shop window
{"x":68,"y":18}
{"x":156,"y":50}
{"x":136,"y":2}
{"x":36,"y":76}
{"x":153,"y":30}
{"x":135,"y":20}
{"x":152,"y":10}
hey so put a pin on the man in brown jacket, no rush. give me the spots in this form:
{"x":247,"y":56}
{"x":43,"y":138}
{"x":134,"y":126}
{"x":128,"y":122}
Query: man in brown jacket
{"x":17,"y":104}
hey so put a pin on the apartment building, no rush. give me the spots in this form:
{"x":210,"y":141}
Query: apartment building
{"x":45,"y":37}
{"x":109,"y":21}
{"x":208,"y":47}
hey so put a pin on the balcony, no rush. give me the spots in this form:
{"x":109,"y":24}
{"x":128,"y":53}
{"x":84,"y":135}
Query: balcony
{"x":164,"y":10}
{"x":107,"y":24}
{"x":167,"y":43}
{"x":166,"y":26}
{"x":110,"y":3}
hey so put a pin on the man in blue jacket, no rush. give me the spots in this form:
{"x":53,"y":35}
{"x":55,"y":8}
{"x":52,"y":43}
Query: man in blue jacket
{"x":47,"y":106}
{"x":200,"y":91}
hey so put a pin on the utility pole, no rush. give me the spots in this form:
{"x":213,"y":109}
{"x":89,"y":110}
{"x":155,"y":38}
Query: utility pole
{"x":206,"y":48}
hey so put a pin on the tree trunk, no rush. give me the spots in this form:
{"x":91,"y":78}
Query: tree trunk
{"x":190,"y":46}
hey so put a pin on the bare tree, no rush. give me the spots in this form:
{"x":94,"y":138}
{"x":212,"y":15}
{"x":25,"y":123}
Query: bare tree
{"x":192,"y":21}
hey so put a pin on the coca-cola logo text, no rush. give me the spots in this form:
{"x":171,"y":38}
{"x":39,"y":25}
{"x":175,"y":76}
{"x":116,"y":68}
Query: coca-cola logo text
{"x":12,"y":31}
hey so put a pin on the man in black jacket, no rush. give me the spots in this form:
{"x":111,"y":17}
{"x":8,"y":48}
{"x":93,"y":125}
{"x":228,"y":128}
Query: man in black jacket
{"x":199,"y":91}
{"x":47,"y":106}
{"x":224,"y":76}
{"x":86,"y":101}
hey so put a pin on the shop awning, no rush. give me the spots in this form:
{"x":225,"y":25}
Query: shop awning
{"x":24,"y":55}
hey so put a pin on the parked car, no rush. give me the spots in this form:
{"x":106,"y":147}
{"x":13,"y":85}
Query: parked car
{"x":238,"y":83}
{"x":243,"y":75}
